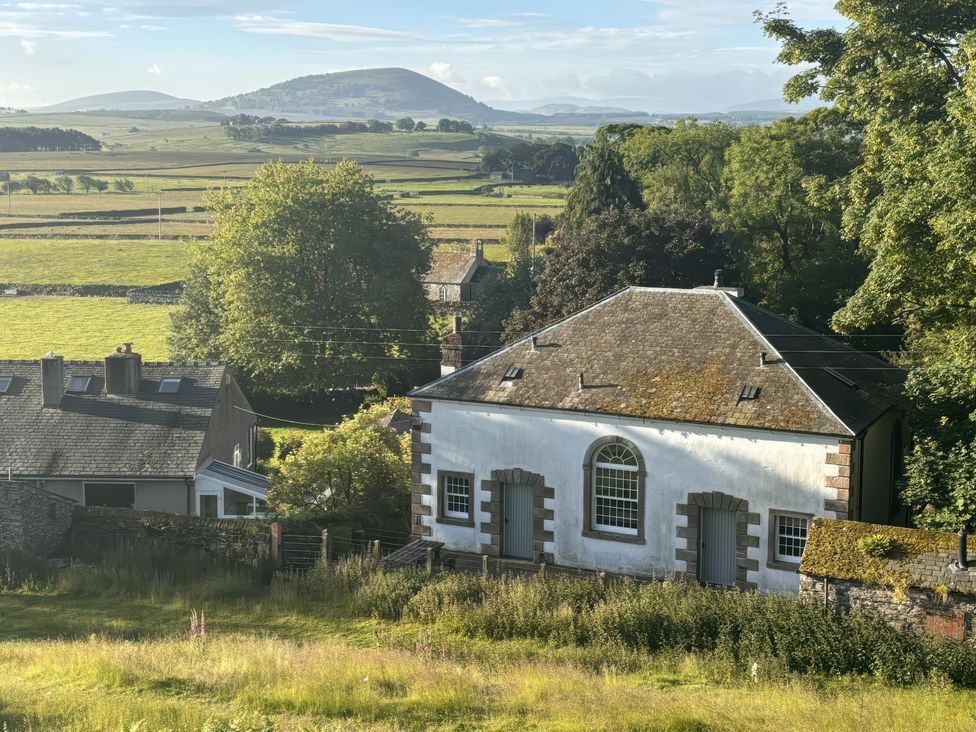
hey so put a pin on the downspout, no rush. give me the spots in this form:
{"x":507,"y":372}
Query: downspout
{"x":189,"y":495}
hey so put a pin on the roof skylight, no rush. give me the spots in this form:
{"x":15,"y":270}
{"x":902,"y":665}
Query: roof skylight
{"x":79,"y":384}
{"x":5,"y":382}
{"x":170,"y":384}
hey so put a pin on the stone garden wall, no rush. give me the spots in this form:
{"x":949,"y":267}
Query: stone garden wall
{"x":248,"y":542}
{"x":31,"y":519}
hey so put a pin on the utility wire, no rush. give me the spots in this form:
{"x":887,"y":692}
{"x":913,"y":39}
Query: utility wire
{"x":280,"y":419}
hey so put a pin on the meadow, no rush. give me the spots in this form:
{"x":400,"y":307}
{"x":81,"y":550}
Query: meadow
{"x":88,"y":261}
{"x":81,"y":328}
{"x":106,"y":647}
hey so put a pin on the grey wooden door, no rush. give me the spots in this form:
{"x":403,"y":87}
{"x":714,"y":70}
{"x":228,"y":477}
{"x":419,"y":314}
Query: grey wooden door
{"x":517,"y":529}
{"x":716,"y":550}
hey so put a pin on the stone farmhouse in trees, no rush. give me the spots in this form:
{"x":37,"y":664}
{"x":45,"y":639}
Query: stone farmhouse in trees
{"x":177,"y":438}
{"x":658,"y":432}
{"x":457,"y":277}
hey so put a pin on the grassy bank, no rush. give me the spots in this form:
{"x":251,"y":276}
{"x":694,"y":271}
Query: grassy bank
{"x":84,"y":328}
{"x":92,"y":261}
{"x":106,"y":647}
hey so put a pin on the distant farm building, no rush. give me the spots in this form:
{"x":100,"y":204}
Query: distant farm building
{"x":457,"y":277}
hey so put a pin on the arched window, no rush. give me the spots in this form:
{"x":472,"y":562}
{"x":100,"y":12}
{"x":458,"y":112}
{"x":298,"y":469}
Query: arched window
{"x":442,"y":293}
{"x":614,"y":488}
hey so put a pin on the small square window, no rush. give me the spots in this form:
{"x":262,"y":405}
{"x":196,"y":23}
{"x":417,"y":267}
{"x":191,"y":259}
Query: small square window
{"x":5,"y":382}
{"x":79,"y":384}
{"x":455,"y":498}
{"x":170,"y":384}
{"x":787,"y":538}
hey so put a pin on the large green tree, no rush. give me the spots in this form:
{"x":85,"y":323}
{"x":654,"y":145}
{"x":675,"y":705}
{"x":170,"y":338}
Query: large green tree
{"x":309,"y":282}
{"x":614,"y":249}
{"x":602,"y":184}
{"x":680,"y":169}
{"x":902,"y":71}
{"x":782,"y":209}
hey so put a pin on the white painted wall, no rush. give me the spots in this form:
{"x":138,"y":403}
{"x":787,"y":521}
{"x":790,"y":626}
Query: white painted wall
{"x":771,"y":470}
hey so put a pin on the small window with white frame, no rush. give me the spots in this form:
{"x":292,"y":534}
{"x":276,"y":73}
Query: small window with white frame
{"x":788,"y":533}
{"x":455,"y":498}
{"x":442,"y":293}
{"x":237,"y":455}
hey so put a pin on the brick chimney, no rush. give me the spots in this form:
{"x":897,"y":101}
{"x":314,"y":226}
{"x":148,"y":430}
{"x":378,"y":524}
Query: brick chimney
{"x":52,"y":380}
{"x":123,"y":371}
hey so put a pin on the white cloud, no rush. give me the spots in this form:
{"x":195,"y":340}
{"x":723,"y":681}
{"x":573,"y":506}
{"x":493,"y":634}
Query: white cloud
{"x":154,"y":70}
{"x":28,"y":47}
{"x":492,"y":81}
{"x":442,"y":71}
{"x":487,"y":23}
{"x":153,"y":27}
{"x":266,"y":25}
{"x":47,"y":6}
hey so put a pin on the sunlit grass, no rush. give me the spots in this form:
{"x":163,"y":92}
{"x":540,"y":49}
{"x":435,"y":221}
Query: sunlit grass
{"x":84,"y":328}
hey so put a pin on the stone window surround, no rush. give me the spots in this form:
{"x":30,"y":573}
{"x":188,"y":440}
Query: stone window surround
{"x":442,"y":503}
{"x":838,"y":466}
{"x":540,"y":514}
{"x":772,"y":540}
{"x":744,"y":541}
{"x":419,"y":468}
{"x":588,"y":530}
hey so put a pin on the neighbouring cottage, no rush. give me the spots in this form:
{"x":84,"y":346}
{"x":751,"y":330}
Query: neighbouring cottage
{"x":921,"y":581}
{"x":170,"y":437}
{"x":32,"y":520}
{"x":457,"y":277}
{"x":659,"y":431}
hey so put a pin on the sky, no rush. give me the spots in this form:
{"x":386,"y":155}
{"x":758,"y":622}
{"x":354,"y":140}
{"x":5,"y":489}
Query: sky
{"x":661,"y":55}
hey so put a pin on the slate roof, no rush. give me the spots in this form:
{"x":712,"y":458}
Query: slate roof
{"x":450,"y":268}
{"x":685,"y":356}
{"x":239,"y":478}
{"x":146,"y":434}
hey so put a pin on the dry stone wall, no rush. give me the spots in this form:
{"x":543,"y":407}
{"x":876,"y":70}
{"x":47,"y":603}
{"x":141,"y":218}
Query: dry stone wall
{"x":32,"y":520}
{"x":248,"y":542}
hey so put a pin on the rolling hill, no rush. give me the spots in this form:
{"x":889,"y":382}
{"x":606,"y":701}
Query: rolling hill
{"x":367,"y":93}
{"x":140,"y":100}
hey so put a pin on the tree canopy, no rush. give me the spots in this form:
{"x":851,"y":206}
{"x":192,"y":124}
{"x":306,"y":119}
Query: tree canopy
{"x":309,"y":282}
{"x":902,"y":72}
{"x":614,"y":249}
{"x":358,"y":470}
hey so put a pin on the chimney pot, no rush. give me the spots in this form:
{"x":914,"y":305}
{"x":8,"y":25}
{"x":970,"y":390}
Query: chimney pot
{"x":762,"y":359}
{"x":123,"y":371}
{"x":582,"y":382}
{"x":535,"y":343}
{"x":718,"y":278}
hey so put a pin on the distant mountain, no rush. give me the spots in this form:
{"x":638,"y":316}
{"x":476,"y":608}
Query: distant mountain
{"x":363,"y":94}
{"x":556,"y":108}
{"x":125,"y":101}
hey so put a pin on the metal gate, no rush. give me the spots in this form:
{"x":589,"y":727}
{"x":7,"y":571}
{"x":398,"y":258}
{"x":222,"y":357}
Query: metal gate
{"x":517,"y":501}
{"x":716,"y":552}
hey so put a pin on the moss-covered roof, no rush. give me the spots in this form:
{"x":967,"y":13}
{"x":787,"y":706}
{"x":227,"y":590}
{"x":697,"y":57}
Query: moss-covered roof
{"x":918,"y":559}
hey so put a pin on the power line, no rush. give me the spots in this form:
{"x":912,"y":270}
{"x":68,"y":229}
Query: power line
{"x":281,"y":419}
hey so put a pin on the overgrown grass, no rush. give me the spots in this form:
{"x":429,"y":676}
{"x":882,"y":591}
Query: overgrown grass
{"x":115,"y":654}
{"x":84,"y":328}
{"x":92,"y":262}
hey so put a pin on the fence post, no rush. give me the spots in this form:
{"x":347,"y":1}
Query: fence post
{"x":542,"y":570}
{"x":376,"y":549}
{"x":484,"y":565}
{"x":324,"y":557}
{"x":430,"y":561}
{"x":276,"y":545}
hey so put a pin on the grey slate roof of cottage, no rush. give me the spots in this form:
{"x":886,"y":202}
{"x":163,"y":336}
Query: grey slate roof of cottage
{"x":450,"y":268}
{"x":146,"y":434}
{"x":685,"y":356}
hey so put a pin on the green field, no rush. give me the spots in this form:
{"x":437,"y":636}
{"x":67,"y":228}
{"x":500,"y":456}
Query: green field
{"x":106,"y":647}
{"x":86,"y":262}
{"x":81,"y":328}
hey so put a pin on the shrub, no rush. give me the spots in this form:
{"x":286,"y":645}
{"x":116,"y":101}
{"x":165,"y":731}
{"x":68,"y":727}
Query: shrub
{"x":386,"y":594}
{"x":876,"y":545}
